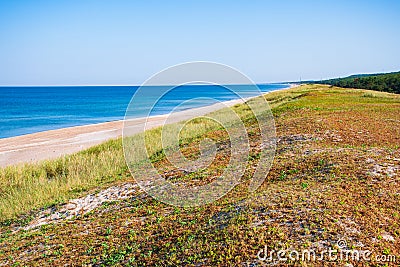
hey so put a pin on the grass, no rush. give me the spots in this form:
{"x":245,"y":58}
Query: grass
{"x":334,"y":177}
{"x":32,"y":186}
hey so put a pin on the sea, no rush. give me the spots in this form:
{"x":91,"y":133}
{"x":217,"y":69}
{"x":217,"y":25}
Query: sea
{"x":26,"y":110}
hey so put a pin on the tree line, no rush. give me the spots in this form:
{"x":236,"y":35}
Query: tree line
{"x":386,"y":82}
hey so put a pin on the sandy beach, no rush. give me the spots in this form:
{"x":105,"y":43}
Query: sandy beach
{"x":56,"y":143}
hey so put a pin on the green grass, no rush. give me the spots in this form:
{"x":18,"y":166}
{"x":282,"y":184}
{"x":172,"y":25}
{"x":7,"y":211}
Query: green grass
{"x":32,"y":186}
{"x":321,"y":188}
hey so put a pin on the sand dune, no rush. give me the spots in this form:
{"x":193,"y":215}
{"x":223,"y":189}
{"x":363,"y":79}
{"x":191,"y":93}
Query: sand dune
{"x":56,"y":143}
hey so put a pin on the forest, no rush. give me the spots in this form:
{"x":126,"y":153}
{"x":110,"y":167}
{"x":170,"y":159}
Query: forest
{"x":386,"y":82}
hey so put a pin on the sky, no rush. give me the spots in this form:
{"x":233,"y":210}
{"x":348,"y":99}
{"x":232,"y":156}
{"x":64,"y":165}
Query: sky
{"x":125,"y":42}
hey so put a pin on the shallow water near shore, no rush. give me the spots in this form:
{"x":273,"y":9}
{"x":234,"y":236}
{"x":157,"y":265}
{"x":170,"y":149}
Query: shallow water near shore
{"x":26,"y":110}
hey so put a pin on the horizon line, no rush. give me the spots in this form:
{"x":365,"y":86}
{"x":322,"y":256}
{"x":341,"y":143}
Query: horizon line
{"x":280,"y":82}
{"x":97,"y":85}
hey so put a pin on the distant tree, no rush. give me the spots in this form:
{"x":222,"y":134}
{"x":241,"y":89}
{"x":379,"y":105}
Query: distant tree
{"x":388,"y":82}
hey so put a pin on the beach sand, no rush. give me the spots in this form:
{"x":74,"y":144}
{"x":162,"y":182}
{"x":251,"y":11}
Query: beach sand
{"x":56,"y":143}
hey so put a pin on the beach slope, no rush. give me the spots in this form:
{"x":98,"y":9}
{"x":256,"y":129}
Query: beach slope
{"x":334,"y":185}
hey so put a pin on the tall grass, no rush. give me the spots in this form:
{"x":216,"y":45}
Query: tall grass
{"x":36,"y":185}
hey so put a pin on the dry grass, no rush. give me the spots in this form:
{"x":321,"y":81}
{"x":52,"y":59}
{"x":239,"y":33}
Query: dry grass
{"x":335,"y":176}
{"x":24,"y":188}
{"x":31,"y":186}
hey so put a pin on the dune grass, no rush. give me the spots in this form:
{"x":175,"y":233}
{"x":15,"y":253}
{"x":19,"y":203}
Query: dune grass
{"x":31,"y":186}
{"x":335,"y":176}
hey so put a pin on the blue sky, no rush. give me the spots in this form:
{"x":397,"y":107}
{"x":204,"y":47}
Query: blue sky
{"x":125,"y":42}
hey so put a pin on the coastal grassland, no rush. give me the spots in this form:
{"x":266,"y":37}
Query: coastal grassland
{"x":31,"y":186}
{"x":335,"y":176}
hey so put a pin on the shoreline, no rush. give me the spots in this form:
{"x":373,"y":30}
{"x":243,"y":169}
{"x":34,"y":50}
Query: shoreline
{"x":35,"y":147}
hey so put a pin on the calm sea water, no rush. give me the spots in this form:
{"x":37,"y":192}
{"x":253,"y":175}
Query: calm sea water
{"x":26,"y":110}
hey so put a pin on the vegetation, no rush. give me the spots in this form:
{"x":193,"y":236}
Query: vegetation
{"x":385,"y":82}
{"x":335,"y":176}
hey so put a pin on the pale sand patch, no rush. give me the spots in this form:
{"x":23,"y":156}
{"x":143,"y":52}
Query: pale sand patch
{"x":56,"y":143}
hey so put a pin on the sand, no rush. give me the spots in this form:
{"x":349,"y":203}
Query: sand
{"x":56,"y":143}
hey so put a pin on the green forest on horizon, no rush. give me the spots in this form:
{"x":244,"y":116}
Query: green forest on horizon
{"x":385,"y":82}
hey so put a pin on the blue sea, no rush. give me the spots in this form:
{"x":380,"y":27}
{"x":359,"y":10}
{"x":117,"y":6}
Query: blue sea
{"x":26,"y":110}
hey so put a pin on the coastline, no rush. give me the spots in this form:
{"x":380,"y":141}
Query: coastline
{"x":52,"y":144}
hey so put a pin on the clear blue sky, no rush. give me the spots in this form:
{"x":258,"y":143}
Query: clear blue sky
{"x":125,"y":42}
